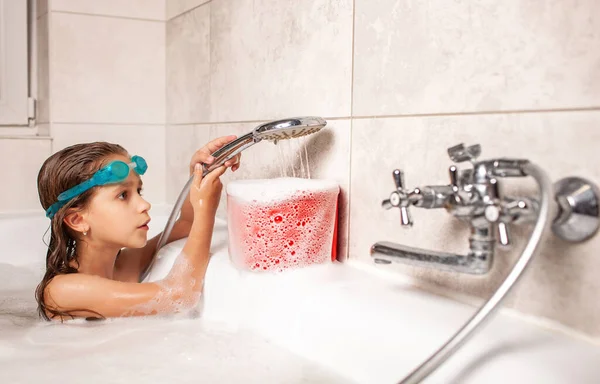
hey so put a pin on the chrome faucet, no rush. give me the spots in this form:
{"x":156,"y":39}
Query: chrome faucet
{"x":474,"y":195}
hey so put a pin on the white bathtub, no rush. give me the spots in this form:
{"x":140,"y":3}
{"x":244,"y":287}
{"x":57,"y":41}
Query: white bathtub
{"x":347,"y":323}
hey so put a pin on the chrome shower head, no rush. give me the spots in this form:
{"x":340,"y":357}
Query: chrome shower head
{"x":288,"y":128}
{"x":274,"y":131}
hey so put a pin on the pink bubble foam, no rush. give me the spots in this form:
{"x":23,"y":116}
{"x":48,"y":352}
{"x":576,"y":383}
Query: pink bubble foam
{"x":296,"y":228}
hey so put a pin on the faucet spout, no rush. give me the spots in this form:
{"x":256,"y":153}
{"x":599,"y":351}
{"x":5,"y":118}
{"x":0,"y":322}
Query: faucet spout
{"x":477,"y":261}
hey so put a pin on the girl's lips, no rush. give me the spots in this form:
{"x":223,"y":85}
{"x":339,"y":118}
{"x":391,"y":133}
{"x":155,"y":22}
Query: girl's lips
{"x":145,"y":225}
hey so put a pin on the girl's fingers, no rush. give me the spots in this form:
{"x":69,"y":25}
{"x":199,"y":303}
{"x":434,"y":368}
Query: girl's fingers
{"x":215,"y":174}
{"x":197,"y":175}
{"x":202,"y":157}
{"x":234,"y":161}
{"x":219,"y":142}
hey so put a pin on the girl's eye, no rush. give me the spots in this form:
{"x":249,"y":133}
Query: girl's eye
{"x":123,"y":195}
{"x":140,"y":191}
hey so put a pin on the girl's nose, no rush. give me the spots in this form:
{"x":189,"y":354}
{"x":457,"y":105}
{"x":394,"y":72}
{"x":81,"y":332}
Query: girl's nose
{"x":144,"y":205}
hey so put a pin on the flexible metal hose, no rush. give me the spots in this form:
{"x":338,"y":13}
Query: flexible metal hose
{"x":540,"y":230}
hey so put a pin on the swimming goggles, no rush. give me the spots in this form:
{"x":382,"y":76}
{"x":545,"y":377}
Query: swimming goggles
{"x":115,"y":172}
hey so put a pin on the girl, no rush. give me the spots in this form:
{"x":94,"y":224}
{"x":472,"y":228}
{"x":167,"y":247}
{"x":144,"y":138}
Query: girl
{"x":98,"y":241}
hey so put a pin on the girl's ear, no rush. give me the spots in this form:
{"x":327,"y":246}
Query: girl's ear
{"x":76,"y":220}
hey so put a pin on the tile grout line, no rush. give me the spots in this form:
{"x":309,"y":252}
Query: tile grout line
{"x":25,"y":137}
{"x":442,"y":114}
{"x":166,"y":107}
{"x":109,"y":16}
{"x":107,"y":123}
{"x":210,"y":45}
{"x":187,"y":11}
{"x":349,"y":192}
{"x":352,"y":59}
{"x":50,"y":42}
{"x":482,"y":113}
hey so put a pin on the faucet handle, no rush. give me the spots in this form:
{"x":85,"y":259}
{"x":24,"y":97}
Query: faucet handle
{"x":503,"y":234}
{"x":399,"y":198}
{"x":453,"y":172}
{"x":405,"y":217}
{"x":497,"y":212}
{"x":460,"y":153}
{"x":398,"y":179}
{"x":493,"y":214}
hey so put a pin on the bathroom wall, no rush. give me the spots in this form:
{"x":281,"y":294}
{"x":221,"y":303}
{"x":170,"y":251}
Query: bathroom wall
{"x":399,"y":82}
{"x":107,"y":78}
{"x":234,"y":65}
{"x":101,"y":76}
{"x":26,"y":147}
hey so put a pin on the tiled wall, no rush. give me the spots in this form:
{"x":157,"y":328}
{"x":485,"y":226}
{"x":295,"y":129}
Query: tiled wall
{"x":107,"y":78}
{"x":230,"y":68}
{"x":399,"y":82}
{"x":101,"y":76}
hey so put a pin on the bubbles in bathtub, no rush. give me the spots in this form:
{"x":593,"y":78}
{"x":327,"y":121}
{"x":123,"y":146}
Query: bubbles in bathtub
{"x":179,"y":283}
{"x":281,"y":223}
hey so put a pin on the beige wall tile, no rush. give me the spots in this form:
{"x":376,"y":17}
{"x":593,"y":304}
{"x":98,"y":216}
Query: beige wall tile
{"x":43,"y":129}
{"x":107,"y":70}
{"x":271,"y":59}
{"x":562,"y":282}
{"x":182,"y":141}
{"x":433,"y":57}
{"x":147,"y":141}
{"x":142,"y":9}
{"x":43,"y":73}
{"x":177,"y":7}
{"x":20,"y":180}
{"x":188,"y":67}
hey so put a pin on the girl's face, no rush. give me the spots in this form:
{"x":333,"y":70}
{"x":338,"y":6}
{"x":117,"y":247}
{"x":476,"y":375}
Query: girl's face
{"x":117,"y":214}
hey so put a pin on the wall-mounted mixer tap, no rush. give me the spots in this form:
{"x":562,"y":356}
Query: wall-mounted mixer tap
{"x":475,"y":195}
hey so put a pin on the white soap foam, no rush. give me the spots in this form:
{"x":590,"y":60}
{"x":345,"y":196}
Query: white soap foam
{"x":180,"y":281}
{"x":270,"y":190}
{"x":146,"y":349}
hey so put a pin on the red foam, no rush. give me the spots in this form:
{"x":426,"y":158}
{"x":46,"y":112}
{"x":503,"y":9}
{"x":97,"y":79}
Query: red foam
{"x":297,"y":231}
{"x":335,"y":234}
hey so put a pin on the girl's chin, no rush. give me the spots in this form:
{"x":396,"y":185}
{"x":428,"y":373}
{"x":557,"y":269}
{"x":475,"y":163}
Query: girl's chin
{"x":137,"y":243}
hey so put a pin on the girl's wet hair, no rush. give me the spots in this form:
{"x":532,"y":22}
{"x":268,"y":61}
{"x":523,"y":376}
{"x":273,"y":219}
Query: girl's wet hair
{"x":61,"y":171}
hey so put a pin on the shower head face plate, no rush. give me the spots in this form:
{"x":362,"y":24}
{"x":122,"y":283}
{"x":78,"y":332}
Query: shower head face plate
{"x":288,"y":128}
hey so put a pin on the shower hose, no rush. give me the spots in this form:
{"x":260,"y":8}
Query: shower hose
{"x":540,"y":230}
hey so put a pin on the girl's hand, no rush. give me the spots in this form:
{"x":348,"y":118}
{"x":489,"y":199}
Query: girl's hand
{"x":203,"y":155}
{"x":205,"y":192}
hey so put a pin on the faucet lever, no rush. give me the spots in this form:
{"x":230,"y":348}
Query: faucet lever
{"x":497,"y":212}
{"x":453,"y":171}
{"x":405,"y":217}
{"x":399,"y":198}
{"x":460,"y":153}
{"x":398,"y":179}
{"x":404,"y":203}
{"x":503,"y":234}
